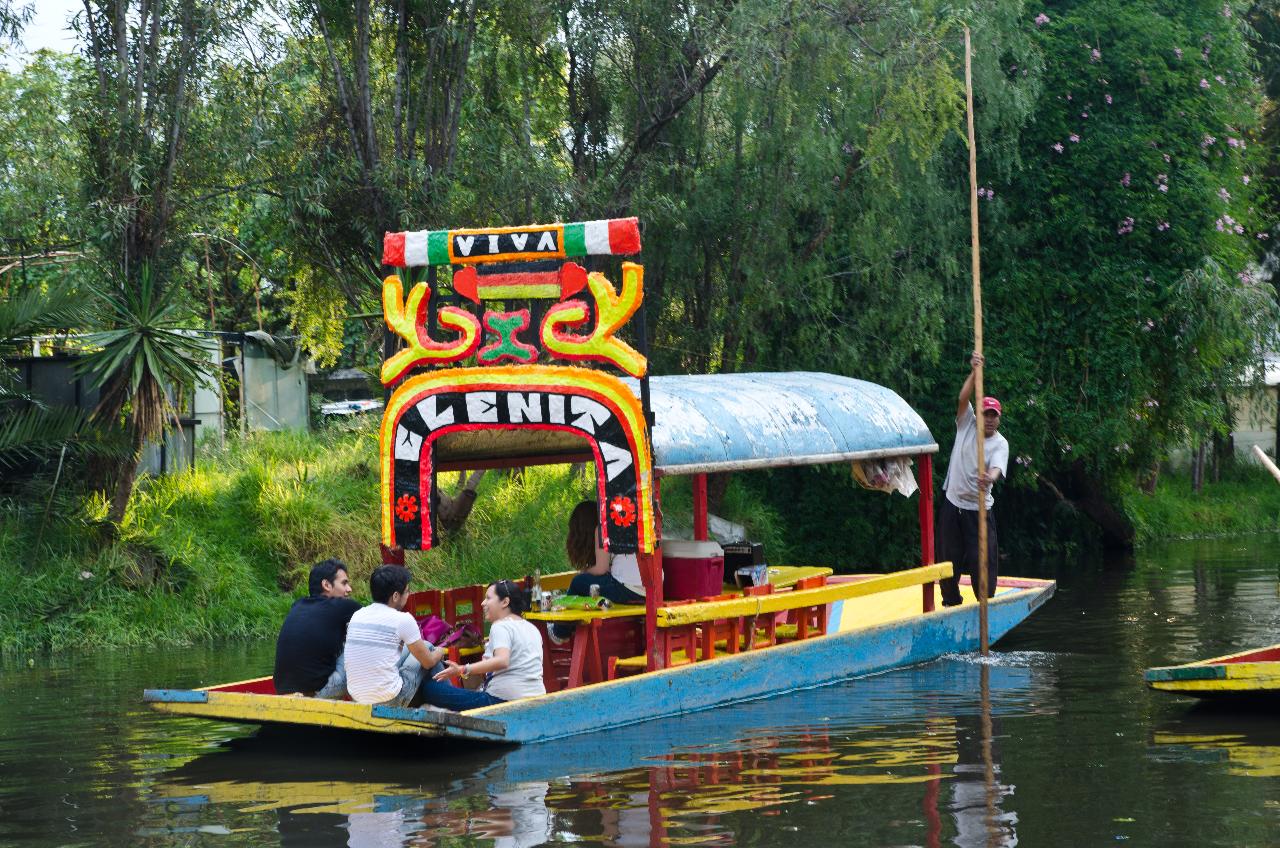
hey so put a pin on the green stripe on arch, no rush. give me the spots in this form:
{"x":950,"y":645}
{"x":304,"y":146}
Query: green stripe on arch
{"x":438,"y":247}
{"x":575,"y":240}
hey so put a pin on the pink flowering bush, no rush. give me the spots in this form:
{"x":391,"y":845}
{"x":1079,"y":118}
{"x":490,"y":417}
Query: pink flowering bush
{"x":1130,"y":237}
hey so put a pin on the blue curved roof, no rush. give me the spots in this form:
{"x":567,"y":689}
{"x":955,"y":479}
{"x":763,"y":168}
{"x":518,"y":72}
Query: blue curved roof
{"x":726,"y":422}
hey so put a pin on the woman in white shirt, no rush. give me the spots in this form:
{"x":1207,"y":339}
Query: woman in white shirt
{"x":512,"y":662}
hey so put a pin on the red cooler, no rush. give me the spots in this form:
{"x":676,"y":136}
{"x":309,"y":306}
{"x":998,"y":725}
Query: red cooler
{"x":691,"y":570}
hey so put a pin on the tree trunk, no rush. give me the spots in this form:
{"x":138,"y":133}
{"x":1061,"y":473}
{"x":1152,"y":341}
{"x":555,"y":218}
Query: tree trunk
{"x":1197,"y":468}
{"x":455,"y":509}
{"x":1089,"y":496}
{"x":124,"y":484}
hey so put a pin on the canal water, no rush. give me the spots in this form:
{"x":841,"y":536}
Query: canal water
{"x":1054,"y":742}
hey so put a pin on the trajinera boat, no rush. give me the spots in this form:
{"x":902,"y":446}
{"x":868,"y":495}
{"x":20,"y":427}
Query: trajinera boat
{"x":1246,"y":676}
{"x":475,"y":386}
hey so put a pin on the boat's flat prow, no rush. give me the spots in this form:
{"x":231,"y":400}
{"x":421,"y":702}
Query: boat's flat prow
{"x":1249,"y":674}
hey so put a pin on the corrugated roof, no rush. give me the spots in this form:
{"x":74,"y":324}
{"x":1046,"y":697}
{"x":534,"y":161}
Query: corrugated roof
{"x":724,"y":422}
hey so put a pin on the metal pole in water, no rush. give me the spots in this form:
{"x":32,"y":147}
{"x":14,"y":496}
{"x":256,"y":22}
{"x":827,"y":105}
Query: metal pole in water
{"x":981,"y":589}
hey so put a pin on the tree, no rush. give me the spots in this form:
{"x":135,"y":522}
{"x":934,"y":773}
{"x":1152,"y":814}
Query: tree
{"x":1120,"y":302}
{"x":145,"y":358}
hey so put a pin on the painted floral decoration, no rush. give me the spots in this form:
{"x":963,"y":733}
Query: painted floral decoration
{"x":406,"y":507}
{"x":622,"y":511}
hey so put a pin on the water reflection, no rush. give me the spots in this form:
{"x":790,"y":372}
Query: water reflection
{"x":1243,"y":744}
{"x":704,"y":779}
{"x":904,"y":758}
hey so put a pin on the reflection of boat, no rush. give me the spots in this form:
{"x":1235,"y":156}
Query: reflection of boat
{"x":679,"y":653}
{"x":1247,"y":675}
{"x":645,"y":784}
{"x":1245,"y":744}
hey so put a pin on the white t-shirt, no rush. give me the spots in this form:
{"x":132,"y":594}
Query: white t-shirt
{"x":522,"y":678}
{"x":375,"y":636}
{"x":961,"y":484}
{"x":626,"y":570}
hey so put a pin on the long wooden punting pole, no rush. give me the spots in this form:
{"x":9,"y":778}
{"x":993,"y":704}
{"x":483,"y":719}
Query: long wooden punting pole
{"x":981,"y":588}
{"x":1266,"y":462}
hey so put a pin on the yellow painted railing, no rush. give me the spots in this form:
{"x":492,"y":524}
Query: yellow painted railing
{"x":798,"y":598}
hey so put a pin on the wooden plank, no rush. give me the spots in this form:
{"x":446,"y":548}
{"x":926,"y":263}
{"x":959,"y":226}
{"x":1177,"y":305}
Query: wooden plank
{"x":761,"y":604}
{"x":175,"y":696}
{"x":427,"y":715}
{"x":1184,"y":672}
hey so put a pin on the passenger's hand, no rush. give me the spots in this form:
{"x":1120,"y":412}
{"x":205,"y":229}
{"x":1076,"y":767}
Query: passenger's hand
{"x":451,"y":670}
{"x":976,"y":360}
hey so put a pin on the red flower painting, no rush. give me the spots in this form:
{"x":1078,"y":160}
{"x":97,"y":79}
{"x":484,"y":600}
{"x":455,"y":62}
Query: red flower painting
{"x":622,"y":511}
{"x":406,"y":507}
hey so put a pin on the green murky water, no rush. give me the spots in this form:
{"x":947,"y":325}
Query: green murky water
{"x":1067,"y":748}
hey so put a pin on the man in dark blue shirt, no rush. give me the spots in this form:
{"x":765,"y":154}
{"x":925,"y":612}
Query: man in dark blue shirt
{"x":309,"y":649}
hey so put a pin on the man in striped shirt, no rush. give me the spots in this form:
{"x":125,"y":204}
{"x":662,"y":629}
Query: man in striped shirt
{"x":385,"y":653}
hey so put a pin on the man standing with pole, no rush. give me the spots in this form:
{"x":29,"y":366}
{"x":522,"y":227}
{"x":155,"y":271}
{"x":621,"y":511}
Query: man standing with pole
{"x":965,"y":511}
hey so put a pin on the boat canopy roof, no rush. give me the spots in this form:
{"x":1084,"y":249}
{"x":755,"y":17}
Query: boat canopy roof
{"x":731,"y":422}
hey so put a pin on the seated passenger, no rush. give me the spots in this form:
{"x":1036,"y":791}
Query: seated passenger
{"x":617,"y":576}
{"x":385,"y":653}
{"x":512,"y":663}
{"x":309,"y":649}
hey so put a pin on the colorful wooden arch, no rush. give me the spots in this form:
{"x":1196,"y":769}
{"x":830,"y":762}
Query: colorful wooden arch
{"x":594,"y":405}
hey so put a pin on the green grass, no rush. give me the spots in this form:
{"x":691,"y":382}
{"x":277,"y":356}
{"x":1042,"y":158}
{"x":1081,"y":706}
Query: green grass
{"x":1246,"y":500}
{"x":221,"y":551}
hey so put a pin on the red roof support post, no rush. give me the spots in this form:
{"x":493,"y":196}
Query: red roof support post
{"x":925,"y":479}
{"x":700,"y":507}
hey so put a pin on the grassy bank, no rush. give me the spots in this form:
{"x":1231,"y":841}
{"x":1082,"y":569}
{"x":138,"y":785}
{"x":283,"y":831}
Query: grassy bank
{"x":221,"y":551}
{"x":1245,"y":500}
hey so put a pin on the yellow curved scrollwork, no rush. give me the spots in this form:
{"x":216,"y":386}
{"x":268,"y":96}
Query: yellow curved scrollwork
{"x":407,"y":319}
{"x":613,"y":310}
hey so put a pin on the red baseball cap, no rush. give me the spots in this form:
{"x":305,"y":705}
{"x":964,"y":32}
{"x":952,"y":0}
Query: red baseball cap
{"x":989,"y":402}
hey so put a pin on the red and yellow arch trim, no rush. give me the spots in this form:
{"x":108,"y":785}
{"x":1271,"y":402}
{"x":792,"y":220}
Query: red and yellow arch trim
{"x":599,"y":386}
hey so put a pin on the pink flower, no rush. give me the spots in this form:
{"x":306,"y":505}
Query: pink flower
{"x":1107,"y":97}
{"x":1208,"y":141}
{"x":1073,"y":138}
{"x":1233,"y":142}
{"x":1245,"y":179}
{"x":1084,"y":114}
{"x":1177,"y":51}
{"x":1125,"y":227}
{"x":1221,"y":227}
{"x":1042,"y":19}
{"x":1264,"y":235}
{"x":1168,"y":158}
{"x":1225,"y":195}
{"x":1204,"y":83}
{"x":1095,"y":55}
{"x":1238,"y":230}
{"x":1226,"y":10}
{"x":1162,"y":226}
{"x":1124,"y":181}
{"x":1164,"y":188}
{"x":1058,"y":146}
{"x":1220,"y":80}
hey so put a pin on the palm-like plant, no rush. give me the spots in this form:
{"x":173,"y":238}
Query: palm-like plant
{"x":146,"y":353}
{"x":28,"y":428}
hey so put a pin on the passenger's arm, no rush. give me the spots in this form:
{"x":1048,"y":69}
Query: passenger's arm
{"x":428,"y":657}
{"x":500,"y":660}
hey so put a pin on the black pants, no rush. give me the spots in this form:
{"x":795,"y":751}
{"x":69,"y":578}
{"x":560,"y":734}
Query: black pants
{"x":958,"y":543}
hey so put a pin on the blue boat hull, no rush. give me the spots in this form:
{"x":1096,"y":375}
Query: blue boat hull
{"x":757,"y":674}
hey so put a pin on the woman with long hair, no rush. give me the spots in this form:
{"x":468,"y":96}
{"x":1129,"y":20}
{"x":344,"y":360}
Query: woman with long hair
{"x":512,"y":663}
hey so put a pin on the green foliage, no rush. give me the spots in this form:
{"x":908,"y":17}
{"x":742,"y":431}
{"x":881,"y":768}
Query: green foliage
{"x":1121,"y":305}
{"x":1246,"y":500}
